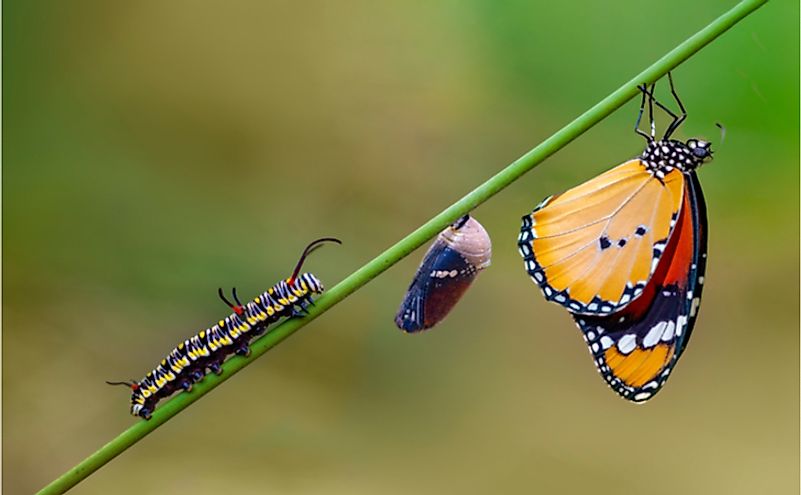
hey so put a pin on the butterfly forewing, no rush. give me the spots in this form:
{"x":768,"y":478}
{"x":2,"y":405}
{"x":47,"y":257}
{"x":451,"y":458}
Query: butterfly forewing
{"x":593,"y":248}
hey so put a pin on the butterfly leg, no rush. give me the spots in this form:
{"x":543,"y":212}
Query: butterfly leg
{"x":677,"y":119}
{"x":647,"y":94}
{"x":644,"y":90}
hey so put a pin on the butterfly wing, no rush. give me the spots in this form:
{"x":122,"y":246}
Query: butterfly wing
{"x":698,"y":283}
{"x":636,"y":349}
{"x":593,"y":248}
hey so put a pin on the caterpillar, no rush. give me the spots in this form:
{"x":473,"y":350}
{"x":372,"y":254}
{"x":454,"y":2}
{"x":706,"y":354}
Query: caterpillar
{"x":188,"y":362}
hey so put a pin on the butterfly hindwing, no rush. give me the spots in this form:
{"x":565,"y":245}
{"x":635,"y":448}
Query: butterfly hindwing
{"x":635,"y":349}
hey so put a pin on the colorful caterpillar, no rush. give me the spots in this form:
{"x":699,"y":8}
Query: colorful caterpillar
{"x":187,"y":363}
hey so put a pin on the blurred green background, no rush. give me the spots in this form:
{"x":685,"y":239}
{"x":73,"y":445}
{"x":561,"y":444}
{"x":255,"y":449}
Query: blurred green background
{"x":154,"y":151}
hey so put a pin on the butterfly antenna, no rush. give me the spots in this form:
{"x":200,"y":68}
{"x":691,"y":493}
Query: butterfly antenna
{"x":722,"y":131}
{"x":311,"y":247}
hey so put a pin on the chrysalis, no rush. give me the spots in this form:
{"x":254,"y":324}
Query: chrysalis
{"x":448,"y":268}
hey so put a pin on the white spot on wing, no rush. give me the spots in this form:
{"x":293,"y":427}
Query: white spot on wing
{"x":627,"y":343}
{"x":654,"y":334}
{"x":668,"y":335}
{"x":680,"y":323}
{"x":694,"y":307}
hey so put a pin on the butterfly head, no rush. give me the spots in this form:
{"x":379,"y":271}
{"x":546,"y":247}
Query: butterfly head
{"x":665,"y":155}
{"x":701,"y":150}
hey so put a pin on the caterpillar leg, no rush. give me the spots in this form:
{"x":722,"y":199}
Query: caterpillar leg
{"x":145,"y":413}
{"x":186,"y":385}
{"x":215,"y":368}
{"x":243,"y":351}
{"x":197,"y":375}
{"x":298,"y":312}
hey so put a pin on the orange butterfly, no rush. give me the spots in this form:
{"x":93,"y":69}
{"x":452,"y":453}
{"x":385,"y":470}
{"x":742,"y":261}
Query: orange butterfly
{"x":625,"y":253}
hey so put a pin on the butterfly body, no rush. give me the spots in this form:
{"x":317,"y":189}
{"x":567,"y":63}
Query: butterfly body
{"x":625,"y":254}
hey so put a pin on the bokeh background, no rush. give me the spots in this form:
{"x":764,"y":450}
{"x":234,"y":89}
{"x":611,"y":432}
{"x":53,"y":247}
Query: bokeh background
{"x":154,"y":151}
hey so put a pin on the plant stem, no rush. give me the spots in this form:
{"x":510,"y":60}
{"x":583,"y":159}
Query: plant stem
{"x":409,"y":243}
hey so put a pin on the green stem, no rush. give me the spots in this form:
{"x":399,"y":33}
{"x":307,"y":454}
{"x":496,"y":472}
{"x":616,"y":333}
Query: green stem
{"x":409,"y":243}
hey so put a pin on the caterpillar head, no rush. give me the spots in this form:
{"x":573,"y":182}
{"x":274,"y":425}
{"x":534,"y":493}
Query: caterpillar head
{"x":307,"y":283}
{"x":302,"y":285}
{"x":138,"y":398}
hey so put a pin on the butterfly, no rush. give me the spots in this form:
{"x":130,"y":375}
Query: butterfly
{"x":448,"y":268}
{"x":625,"y":254}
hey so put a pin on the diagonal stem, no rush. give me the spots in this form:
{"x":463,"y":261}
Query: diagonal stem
{"x":409,"y":243}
